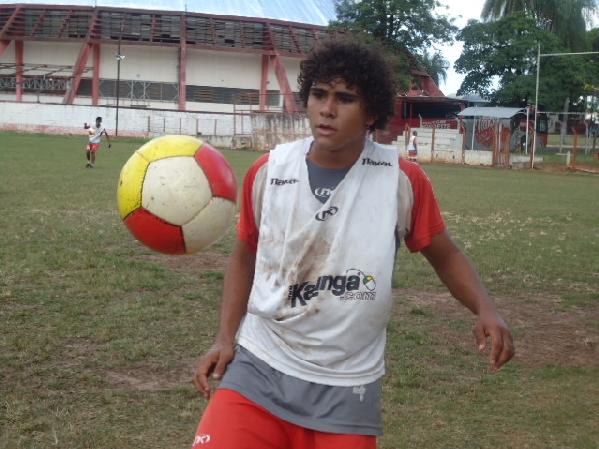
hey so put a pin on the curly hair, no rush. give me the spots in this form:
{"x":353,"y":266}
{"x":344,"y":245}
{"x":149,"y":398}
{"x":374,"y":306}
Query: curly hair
{"x":361,"y":66}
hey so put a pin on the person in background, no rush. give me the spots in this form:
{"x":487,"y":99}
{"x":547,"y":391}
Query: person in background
{"x":95,"y":138}
{"x":413,"y":147}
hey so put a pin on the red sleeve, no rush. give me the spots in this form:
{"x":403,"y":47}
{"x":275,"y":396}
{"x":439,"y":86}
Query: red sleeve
{"x":247,"y":228}
{"x":426,"y":215}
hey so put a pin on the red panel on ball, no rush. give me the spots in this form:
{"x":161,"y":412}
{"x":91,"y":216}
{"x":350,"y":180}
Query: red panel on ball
{"x":156,"y":233}
{"x":218,"y":171}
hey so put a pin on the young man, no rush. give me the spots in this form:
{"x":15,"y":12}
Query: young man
{"x":307,"y":294}
{"x":413,"y":147}
{"x":95,"y":138}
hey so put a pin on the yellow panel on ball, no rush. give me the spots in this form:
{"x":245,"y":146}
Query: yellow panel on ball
{"x":130,"y":184}
{"x":170,"y":146}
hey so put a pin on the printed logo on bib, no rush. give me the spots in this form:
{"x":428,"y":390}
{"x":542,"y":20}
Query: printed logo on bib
{"x":323,"y":192}
{"x":324,"y":214}
{"x":354,"y":285}
{"x":368,"y":161}
{"x":282,"y":182}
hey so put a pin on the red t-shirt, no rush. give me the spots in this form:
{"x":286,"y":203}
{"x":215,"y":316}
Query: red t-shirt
{"x":426,"y":217}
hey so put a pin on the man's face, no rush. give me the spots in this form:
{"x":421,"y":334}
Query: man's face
{"x":337,"y":116}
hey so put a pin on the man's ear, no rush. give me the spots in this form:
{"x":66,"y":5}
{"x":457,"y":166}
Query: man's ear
{"x":370,"y":121}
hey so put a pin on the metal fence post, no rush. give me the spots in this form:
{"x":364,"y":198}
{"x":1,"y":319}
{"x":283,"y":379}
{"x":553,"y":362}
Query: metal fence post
{"x":433,"y":143}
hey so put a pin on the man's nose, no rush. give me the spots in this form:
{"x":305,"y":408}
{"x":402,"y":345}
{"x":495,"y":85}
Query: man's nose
{"x":328,"y":107}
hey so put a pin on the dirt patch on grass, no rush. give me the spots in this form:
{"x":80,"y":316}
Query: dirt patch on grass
{"x":563,"y":168}
{"x":546,"y":332}
{"x":553,"y":168}
{"x":193,"y":263}
{"x":145,"y":377}
{"x":587,"y":169}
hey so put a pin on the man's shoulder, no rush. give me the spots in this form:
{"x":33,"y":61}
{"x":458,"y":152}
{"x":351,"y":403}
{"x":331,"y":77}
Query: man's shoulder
{"x":284,"y":151}
{"x":411,"y":169}
{"x":260,"y":162}
{"x":257,"y":167}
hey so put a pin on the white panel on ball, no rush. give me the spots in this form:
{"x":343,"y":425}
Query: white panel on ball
{"x":209,"y":225}
{"x":175,"y":189}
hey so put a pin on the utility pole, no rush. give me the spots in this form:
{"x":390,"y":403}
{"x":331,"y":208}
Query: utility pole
{"x":119,"y":58}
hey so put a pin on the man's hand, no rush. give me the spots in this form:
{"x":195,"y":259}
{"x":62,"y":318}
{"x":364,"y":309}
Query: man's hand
{"x":212,"y":364}
{"x":490,"y":324}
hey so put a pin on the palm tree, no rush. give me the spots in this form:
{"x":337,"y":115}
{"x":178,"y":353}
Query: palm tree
{"x":565,"y":18}
{"x":435,"y":65}
{"x":496,"y":9}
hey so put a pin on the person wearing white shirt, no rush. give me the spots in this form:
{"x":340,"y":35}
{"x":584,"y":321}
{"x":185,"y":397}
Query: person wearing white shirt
{"x":95,"y":138}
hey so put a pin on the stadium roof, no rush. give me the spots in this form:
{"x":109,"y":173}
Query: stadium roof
{"x":492,"y":112}
{"x":142,"y":26}
{"x":314,"y":12}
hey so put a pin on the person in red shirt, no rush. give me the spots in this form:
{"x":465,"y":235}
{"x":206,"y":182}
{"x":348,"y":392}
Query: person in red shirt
{"x":300,"y":348}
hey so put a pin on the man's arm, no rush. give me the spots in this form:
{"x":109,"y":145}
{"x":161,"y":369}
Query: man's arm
{"x":457,"y":272}
{"x":107,"y":137}
{"x":239,"y":276}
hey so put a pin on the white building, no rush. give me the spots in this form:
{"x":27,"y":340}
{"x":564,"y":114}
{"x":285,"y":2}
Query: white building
{"x":202,"y":57}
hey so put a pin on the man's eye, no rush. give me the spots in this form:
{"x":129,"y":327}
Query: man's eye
{"x":317,"y":94}
{"x":346,"y":99}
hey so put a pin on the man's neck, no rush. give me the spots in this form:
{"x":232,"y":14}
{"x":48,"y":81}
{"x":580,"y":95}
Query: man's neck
{"x":334,"y":158}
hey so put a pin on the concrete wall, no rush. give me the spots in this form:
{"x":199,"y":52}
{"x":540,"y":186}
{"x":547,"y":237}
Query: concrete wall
{"x":292,"y":67}
{"x":69,"y":119}
{"x":221,"y":69}
{"x":448,"y":145}
{"x":269,"y":130}
{"x":257,"y":131}
{"x":164,"y":65}
{"x":35,"y":52}
{"x":448,"y":148}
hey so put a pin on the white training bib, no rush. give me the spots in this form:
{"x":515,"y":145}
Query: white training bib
{"x":321,"y":296}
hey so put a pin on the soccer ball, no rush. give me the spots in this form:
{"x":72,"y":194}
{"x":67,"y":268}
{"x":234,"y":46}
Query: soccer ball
{"x":177,"y":194}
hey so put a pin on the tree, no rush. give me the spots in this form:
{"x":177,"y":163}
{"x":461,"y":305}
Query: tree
{"x":406,"y":23}
{"x":592,"y":85}
{"x":496,"y":9}
{"x":593,"y":65}
{"x":499,"y":60}
{"x":566,"y":19}
{"x":435,"y":65}
{"x":405,"y":27}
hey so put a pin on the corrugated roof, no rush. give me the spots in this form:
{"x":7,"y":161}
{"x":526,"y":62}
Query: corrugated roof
{"x":492,"y":112}
{"x":472,"y":98}
{"x":315,"y":12}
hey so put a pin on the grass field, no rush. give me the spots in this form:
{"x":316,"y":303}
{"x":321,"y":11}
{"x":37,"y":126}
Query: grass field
{"x":99,"y":335}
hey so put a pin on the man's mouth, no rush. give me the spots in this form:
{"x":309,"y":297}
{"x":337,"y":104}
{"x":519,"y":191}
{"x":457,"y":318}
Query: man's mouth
{"x":325,"y":129}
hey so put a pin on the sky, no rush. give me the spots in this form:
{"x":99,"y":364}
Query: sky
{"x":462,"y":11}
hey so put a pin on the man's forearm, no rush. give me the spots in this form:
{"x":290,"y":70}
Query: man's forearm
{"x":237,"y":286}
{"x":459,"y":275}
